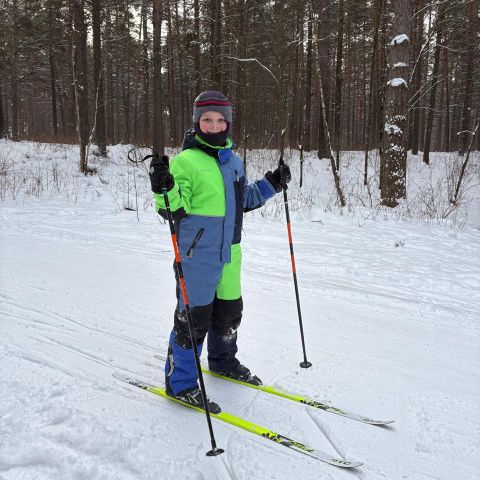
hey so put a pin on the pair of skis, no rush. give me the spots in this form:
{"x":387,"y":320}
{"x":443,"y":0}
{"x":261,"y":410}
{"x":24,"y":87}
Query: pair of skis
{"x":260,"y":430}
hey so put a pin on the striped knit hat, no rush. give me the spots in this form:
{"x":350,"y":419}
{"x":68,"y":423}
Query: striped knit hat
{"x":212,"y":101}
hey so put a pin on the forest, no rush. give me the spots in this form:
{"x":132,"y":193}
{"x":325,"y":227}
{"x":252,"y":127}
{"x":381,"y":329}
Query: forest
{"x":313,"y":75}
{"x":355,"y":289}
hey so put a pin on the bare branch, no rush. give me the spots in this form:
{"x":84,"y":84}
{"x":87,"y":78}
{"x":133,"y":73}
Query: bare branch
{"x":252,"y":60}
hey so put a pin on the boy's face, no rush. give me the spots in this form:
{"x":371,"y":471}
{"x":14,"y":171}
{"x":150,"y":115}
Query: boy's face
{"x":212,"y":122}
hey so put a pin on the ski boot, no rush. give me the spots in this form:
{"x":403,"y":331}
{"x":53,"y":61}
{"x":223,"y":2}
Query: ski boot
{"x":193,"y":396}
{"x":241,"y":373}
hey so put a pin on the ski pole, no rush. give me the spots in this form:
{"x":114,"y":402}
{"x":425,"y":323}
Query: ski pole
{"x":178,"y":266}
{"x":305,"y":363}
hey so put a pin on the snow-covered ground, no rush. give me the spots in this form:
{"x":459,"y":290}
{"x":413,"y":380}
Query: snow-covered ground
{"x":391,"y":313}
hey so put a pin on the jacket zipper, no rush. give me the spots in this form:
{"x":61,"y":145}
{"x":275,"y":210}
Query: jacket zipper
{"x":198,"y":236}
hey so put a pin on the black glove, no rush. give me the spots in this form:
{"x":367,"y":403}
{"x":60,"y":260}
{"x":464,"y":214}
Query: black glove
{"x":160,"y":177}
{"x":279,"y":177}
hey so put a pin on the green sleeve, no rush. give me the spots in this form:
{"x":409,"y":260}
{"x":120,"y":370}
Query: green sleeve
{"x":179,"y":196}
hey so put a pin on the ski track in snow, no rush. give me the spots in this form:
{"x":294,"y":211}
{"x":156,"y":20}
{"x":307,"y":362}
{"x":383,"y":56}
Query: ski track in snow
{"x":392,"y":332}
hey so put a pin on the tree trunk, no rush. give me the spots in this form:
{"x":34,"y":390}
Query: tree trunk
{"x":146,"y":75}
{"x":81,"y":79}
{"x":308,"y":85}
{"x":61,"y":109}
{"x":336,"y":177}
{"x":346,"y":118}
{"x":298,"y":102}
{"x":136,"y":89}
{"x":467,"y":96}
{"x":98,"y":79}
{"x":374,"y":84}
{"x":196,"y":48}
{"x":215,"y":43}
{"x":51,"y":58}
{"x":417,"y":76}
{"x":127,"y":82}
{"x":110,"y":123}
{"x":425,"y":67}
{"x":6,"y":118}
{"x":172,"y":121}
{"x":180,"y":96}
{"x":116,"y":95}
{"x":69,"y":87}
{"x":433,"y":89}
{"x":446,"y":135}
{"x":3,"y":125}
{"x":364,"y":120}
{"x":294,"y":97}
{"x":107,"y":54}
{"x":394,"y":149}
{"x":14,"y":72}
{"x":338,"y":81}
{"x":158,"y":138}
{"x":379,"y":99}
{"x":439,"y":120}
{"x":241,"y":76}
{"x":366,"y":106}
{"x":324,"y":150}
{"x":464,"y":166}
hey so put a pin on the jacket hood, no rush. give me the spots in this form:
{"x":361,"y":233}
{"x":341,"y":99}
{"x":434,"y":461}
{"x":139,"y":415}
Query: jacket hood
{"x":189,"y":140}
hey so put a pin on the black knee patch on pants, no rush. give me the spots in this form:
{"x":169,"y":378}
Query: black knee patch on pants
{"x":227,"y":315}
{"x":201,"y":317}
{"x":222,"y":336}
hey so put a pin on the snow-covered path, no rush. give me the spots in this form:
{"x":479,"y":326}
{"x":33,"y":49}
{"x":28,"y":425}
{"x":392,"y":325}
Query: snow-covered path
{"x":391,"y":320}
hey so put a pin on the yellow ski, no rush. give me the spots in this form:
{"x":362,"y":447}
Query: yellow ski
{"x":297,"y":398}
{"x":248,"y":426}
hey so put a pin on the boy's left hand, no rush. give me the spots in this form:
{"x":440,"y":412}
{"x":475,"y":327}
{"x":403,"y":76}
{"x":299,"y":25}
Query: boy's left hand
{"x":279,"y":177}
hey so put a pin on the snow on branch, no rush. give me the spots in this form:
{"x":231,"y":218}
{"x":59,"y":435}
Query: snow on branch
{"x":393,"y":129}
{"x":396,"y":148}
{"x":397,"y":82}
{"x":399,"y":39}
{"x":400,"y":65}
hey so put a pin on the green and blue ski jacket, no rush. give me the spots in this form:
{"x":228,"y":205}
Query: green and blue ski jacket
{"x":208,"y":200}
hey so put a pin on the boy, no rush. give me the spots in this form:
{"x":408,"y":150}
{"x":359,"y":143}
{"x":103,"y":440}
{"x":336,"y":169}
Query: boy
{"x":208,"y":193}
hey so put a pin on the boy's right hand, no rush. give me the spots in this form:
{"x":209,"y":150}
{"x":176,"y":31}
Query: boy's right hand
{"x":160,"y":176}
